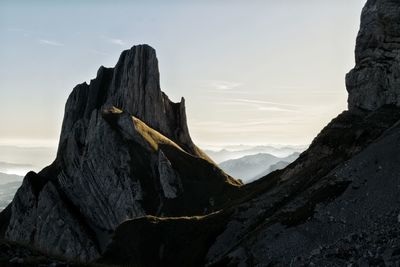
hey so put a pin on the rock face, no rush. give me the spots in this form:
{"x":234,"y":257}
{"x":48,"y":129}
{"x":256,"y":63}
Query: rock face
{"x":345,"y":184}
{"x":134,"y":87}
{"x":309,"y":216}
{"x":336,"y":205}
{"x":375,"y":80}
{"x":124,"y":152}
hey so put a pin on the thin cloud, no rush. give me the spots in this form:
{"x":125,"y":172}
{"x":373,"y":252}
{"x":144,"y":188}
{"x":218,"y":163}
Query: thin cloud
{"x":277,"y":109}
{"x":224,"y":85}
{"x":241,"y":124}
{"x":50,"y":42}
{"x":262,"y":105}
{"x":243,"y":127}
{"x":24,"y":32}
{"x":251,"y":101}
{"x":116,"y":41}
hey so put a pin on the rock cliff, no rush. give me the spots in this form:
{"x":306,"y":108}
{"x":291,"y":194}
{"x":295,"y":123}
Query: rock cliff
{"x":336,"y":205}
{"x":124,"y":152}
{"x":375,"y":80}
{"x":127,"y":171}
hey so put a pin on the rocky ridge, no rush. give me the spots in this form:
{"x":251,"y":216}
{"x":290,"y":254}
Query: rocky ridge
{"x":336,"y":205}
{"x":124,"y":152}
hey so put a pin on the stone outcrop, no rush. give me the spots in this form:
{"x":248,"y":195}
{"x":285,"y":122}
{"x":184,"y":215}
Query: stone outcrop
{"x":336,"y":205}
{"x":375,"y":80}
{"x":134,"y":87}
{"x":124,"y":152}
{"x":343,"y":185}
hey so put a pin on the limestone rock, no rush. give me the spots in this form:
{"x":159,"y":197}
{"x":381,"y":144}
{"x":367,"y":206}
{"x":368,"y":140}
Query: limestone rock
{"x":284,"y":217}
{"x":124,"y":152}
{"x":133,"y":86}
{"x":170,"y":181}
{"x":375,"y":80}
{"x":336,"y":205}
{"x":40,"y":216}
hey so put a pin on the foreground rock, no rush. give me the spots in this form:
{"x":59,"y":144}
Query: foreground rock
{"x":124,"y":152}
{"x":13,"y":254}
{"x":375,"y":80}
{"x":287,"y":214}
{"x":337,"y":205}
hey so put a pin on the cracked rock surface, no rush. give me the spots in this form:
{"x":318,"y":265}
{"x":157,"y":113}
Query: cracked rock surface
{"x":375,"y":79}
{"x":124,"y":152}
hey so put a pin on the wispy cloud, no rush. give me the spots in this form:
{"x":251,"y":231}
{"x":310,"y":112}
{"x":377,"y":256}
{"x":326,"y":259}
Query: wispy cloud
{"x":50,"y":42}
{"x":253,"y":101}
{"x":241,"y":123}
{"x":277,"y":109}
{"x":25,"y":33}
{"x":263,"y":105}
{"x":116,"y":41}
{"x":224,"y":85}
{"x":242,"y":126}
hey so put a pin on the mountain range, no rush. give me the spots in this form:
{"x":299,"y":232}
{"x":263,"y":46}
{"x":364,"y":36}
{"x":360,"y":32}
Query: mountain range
{"x":253,"y":167}
{"x":20,"y":159}
{"x":8,"y":186}
{"x":239,"y":151}
{"x":129,"y":187}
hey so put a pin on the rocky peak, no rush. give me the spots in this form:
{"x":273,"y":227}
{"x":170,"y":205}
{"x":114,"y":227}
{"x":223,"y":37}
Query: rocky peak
{"x":375,"y":80}
{"x":124,"y":152}
{"x":133,"y":85}
{"x":336,"y":205}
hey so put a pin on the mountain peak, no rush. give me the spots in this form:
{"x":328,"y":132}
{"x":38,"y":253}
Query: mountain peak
{"x":133,"y":86}
{"x":124,"y":152}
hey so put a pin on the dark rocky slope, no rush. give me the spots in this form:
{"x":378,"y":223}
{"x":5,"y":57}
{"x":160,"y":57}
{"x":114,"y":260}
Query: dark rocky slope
{"x":337,"y":205}
{"x":278,"y":203}
{"x":124,"y":152}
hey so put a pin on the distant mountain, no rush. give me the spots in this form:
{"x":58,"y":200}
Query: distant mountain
{"x":277,"y":166}
{"x":250,"y":168}
{"x":9,"y":178}
{"x":22,"y":159}
{"x":9,"y":184}
{"x":15,"y":168}
{"x":239,"y":151}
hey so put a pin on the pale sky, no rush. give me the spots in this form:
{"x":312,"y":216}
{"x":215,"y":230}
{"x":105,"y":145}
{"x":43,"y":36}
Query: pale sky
{"x":252,"y":72}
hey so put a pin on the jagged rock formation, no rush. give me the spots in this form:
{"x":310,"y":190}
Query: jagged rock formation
{"x":124,"y":152}
{"x":283,"y":215}
{"x":375,"y":80}
{"x":337,"y":205}
{"x":134,"y":87}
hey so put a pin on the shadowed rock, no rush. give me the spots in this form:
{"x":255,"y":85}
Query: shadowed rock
{"x":375,"y":80}
{"x":124,"y":152}
{"x":133,"y":86}
{"x":336,"y":205}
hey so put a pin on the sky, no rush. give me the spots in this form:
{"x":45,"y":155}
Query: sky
{"x":252,"y":72}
